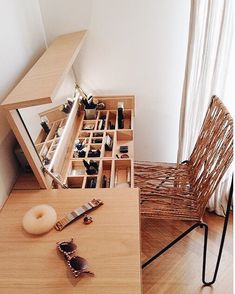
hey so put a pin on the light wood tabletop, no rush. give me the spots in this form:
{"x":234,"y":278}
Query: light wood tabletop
{"x":111,"y":244}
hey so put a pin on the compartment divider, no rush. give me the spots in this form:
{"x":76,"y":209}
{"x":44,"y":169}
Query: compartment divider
{"x":113,"y":171}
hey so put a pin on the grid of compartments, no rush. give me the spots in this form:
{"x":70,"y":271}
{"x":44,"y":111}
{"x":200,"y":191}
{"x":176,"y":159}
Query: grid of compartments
{"x":96,"y":160}
{"x":46,"y":144}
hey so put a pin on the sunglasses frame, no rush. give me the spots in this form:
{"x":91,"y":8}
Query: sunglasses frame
{"x":70,"y":255}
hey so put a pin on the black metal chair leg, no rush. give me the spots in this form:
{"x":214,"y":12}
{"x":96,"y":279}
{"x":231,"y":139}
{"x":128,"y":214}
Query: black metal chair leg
{"x":151,"y":259}
{"x":204,"y":251}
{"x":201,"y":224}
{"x":221,"y":242}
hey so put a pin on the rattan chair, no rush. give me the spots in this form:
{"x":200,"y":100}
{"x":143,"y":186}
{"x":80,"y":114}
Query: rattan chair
{"x":181,"y":192}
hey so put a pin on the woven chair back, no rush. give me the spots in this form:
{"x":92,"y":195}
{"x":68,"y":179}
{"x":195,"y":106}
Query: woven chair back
{"x":213,"y":152}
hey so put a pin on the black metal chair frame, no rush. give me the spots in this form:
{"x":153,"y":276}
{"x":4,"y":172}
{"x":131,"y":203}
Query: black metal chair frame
{"x":205,"y":226}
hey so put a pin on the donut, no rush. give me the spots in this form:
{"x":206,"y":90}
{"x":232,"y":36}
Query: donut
{"x":39,"y":219}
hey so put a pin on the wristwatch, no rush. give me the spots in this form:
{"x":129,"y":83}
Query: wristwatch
{"x":77,"y":213}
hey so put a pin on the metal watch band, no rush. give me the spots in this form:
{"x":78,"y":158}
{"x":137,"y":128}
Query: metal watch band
{"x":76,"y":213}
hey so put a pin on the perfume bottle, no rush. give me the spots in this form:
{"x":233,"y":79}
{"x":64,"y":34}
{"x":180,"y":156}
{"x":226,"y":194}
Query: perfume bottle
{"x":45,"y":126}
{"x":104,"y":182}
{"x":120,"y":115}
{"x":70,"y":102}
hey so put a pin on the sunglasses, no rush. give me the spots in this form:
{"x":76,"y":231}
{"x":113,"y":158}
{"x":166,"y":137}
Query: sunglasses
{"x":77,"y":264}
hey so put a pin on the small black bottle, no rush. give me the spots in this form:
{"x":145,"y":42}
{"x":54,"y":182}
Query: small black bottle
{"x":45,"y":127}
{"x":120,"y":115}
{"x":104,"y":182}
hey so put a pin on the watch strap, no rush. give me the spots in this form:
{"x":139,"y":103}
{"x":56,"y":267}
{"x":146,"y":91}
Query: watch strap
{"x":77,"y":213}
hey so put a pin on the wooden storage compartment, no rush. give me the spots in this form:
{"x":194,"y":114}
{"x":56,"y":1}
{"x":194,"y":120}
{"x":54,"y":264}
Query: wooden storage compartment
{"x":44,"y":152}
{"x":54,"y":144}
{"x":93,"y":162}
{"x":91,"y":182}
{"x":123,"y":173}
{"x":94,"y":150}
{"x":53,"y":147}
{"x":101,"y":125}
{"x":53,"y":131}
{"x":63,"y":122}
{"x":127,"y":119}
{"x":106,"y":174}
{"x":83,"y":134}
{"x":93,"y":115}
{"x":41,"y":137}
{"x":124,"y":138}
{"x":82,"y":153}
{"x":45,"y":149}
{"x":46,"y":144}
{"x":97,"y":140}
{"x":75,"y":182}
{"x":101,"y":120}
{"x":89,"y":125}
{"x":112,"y":119}
{"x":76,"y":174}
{"x":108,"y":150}
{"x":97,"y":134}
{"x":102,"y":114}
{"x":77,"y":168}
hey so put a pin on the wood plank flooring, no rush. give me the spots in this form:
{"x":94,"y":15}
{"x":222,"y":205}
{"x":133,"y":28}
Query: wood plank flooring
{"x":178,"y":271}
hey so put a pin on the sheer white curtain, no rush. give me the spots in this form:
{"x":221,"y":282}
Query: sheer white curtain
{"x":210,"y":35}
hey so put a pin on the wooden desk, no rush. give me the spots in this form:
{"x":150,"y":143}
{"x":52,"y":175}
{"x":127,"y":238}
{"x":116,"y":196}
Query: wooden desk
{"x":111,"y":244}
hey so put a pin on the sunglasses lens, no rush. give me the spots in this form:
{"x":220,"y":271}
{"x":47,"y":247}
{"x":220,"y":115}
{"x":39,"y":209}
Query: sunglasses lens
{"x":78,"y":263}
{"x":67,"y":247}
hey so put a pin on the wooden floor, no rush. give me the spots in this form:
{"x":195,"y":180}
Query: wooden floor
{"x":178,"y":271}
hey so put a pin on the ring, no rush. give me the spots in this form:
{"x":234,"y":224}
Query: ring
{"x":87,"y":219}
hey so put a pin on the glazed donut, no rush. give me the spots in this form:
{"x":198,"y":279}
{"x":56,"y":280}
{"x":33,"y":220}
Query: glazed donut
{"x":39,"y":219}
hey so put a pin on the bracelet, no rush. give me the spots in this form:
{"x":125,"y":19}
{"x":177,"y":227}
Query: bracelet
{"x":76,"y":213}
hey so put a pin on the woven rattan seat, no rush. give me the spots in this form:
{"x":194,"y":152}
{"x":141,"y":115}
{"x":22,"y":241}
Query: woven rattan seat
{"x":182,"y":191}
{"x":165,"y":191}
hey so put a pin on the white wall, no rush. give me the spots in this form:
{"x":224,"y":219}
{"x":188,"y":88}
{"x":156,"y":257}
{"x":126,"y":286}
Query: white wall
{"x":65,"y":16}
{"x":22,"y":42}
{"x":133,"y":47}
